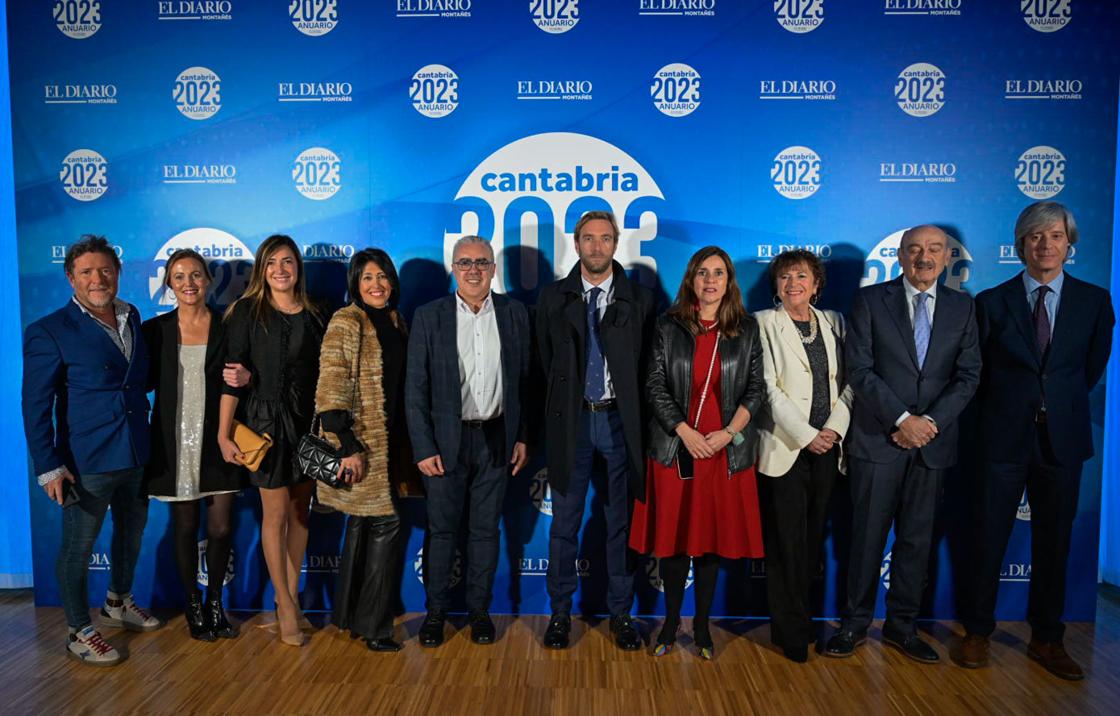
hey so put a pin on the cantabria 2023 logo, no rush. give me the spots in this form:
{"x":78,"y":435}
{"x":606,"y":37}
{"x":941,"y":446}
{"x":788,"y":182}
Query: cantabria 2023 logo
{"x":528,"y":195}
{"x":554,"y":16}
{"x":77,"y":19}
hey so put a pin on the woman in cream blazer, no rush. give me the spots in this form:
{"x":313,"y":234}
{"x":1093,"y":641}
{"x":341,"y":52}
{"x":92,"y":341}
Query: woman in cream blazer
{"x":799,"y":440}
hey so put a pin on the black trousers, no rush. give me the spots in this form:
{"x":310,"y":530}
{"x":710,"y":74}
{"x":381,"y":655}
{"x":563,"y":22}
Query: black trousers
{"x":367,"y":590}
{"x":794,"y":509}
{"x":1052,"y":491}
{"x":475,"y":482}
{"x":904,"y":492}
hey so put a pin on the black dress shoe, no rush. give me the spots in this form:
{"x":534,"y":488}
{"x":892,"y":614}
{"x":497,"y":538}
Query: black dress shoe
{"x":912,"y":646}
{"x":383,"y":645}
{"x":482,"y":629}
{"x":197,"y":622}
{"x":843,"y":644}
{"x":799,"y":654}
{"x":431,"y":631}
{"x":626,"y":637}
{"x":559,"y":629}
{"x":220,"y":625}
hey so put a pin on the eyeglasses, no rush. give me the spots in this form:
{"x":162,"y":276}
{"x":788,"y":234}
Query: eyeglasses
{"x":465,"y":265}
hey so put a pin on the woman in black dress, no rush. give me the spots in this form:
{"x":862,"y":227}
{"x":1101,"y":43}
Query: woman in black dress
{"x":188,"y":352}
{"x":275,"y":332}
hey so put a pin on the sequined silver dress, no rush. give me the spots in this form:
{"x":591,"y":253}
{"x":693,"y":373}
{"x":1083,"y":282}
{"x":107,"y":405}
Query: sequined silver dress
{"x":189,"y":410}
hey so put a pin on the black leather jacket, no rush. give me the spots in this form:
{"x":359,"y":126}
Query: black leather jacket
{"x":670,"y":377}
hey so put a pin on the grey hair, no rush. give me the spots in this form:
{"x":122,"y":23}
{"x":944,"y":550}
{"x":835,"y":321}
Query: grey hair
{"x":471,"y":240}
{"x":919,"y":228}
{"x":1040,"y":215}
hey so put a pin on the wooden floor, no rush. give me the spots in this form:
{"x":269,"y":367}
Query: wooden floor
{"x":168,"y":673}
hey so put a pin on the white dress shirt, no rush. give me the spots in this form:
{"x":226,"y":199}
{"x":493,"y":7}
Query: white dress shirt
{"x":480,"y":359}
{"x":911,"y":306}
{"x":606,"y":298}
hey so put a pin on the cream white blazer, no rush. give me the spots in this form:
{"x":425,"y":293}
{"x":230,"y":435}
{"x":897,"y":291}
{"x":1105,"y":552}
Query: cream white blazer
{"x":784,"y":429}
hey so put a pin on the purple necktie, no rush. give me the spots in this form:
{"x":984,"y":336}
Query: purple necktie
{"x":1042,"y":320}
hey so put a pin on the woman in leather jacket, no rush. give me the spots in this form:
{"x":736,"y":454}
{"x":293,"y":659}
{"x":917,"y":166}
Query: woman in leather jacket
{"x":705,"y":385}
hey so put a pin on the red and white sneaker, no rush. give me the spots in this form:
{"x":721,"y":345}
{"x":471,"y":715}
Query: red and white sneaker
{"x":89,"y":647}
{"x":128,"y":616}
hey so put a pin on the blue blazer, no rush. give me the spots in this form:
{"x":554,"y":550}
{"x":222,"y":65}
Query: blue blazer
{"x":886,"y":381}
{"x":84,"y":405}
{"x":1016,"y":377}
{"x":433,"y":397}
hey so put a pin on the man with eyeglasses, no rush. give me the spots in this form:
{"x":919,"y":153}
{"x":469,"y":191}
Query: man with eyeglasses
{"x":468,"y":366}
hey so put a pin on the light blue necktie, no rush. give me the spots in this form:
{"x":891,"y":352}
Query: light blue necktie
{"x":596,"y":368}
{"x":921,"y":328}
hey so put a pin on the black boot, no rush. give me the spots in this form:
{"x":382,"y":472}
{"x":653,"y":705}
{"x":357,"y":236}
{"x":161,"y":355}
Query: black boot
{"x":217,"y":621}
{"x":197,"y":620}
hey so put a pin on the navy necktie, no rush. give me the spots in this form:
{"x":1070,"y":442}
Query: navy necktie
{"x":1042,"y":320}
{"x":594,"y":382}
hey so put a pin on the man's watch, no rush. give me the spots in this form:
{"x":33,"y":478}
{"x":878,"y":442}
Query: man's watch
{"x":736,"y":438}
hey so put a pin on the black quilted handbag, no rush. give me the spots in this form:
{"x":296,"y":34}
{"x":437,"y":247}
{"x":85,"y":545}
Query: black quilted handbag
{"x":318,"y":459}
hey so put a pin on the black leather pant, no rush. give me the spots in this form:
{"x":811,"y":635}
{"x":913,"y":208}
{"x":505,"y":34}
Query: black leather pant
{"x":366,"y":592}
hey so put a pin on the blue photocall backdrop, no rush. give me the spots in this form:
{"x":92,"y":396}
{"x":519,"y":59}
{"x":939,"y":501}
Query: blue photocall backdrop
{"x":405,"y":124}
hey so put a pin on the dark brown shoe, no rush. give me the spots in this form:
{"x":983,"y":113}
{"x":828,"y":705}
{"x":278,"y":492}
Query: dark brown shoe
{"x":975,"y":650}
{"x":1053,"y":657}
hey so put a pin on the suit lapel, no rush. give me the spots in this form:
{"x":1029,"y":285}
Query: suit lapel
{"x":449,"y":330}
{"x":831,"y":341}
{"x":1063,"y":321}
{"x":213,"y":337}
{"x":943,"y":317}
{"x":506,"y":342}
{"x":894,"y":299}
{"x":792,"y":337}
{"x":169,"y":349}
{"x":576,"y":313}
{"x":1016,"y":300}
{"x":615,"y":317}
{"x":95,"y":334}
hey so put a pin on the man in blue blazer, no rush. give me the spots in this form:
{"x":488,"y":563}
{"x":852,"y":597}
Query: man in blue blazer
{"x":1046,"y":337}
{"x":85,"y":415}
{"x":913,"y":364}
{"x":468,"y":368}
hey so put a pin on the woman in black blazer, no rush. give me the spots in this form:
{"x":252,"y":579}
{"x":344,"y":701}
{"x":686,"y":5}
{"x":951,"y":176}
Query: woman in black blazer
{"x":187,"y":348}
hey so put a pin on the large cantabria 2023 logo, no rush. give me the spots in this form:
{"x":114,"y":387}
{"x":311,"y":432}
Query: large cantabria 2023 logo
{"x":529,"y":194}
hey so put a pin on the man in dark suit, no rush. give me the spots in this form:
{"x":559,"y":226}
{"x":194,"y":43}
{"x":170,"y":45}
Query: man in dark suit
{"x":468,"y":366}
{"x":913,"y":364}
{"x":85,"y":416}
{"x":592,"y":331}
{"x":1046,"y":337}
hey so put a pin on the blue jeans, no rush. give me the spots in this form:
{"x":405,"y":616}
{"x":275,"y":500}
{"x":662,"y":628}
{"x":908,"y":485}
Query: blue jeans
{"x":599,"y":432}
{"x":81,"y":523}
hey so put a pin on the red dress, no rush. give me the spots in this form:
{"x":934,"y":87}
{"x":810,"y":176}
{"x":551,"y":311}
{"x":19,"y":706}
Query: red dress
{"x":712,"y":513}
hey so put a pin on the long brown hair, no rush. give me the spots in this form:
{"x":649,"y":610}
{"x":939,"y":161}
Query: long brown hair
{"x":258,"y":293}
{"x":686,"y":306}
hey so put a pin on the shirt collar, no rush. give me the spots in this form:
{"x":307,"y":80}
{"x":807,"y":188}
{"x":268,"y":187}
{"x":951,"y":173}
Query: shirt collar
{"x":1032,"y":285}
{"x":487,"y":304}
{"x":911,"y":291}
{"x":605,"y":285}
{"x":120,"y":309}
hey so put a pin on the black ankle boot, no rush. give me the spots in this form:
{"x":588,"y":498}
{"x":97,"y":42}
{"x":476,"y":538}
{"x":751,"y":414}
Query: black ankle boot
{"x":217,"y":620}
{"x":197,"y":620}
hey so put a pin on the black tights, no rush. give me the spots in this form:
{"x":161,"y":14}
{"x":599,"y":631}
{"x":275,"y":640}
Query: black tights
{"x":674,"y":574}
{"x":185,"y":517}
